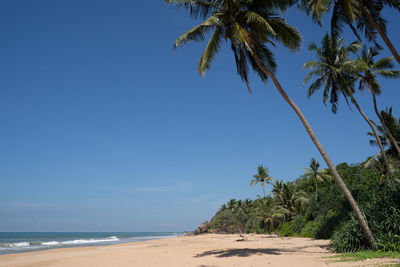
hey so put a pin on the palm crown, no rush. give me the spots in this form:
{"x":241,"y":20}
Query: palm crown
{"x":315,"y":175}
{"x":262,"y":176}
{"x":330,"y":70}
{"x":253,"y":21}
{"x":367,"y":69}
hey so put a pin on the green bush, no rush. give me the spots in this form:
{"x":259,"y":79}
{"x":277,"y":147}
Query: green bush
{"x":286,"y":229}
{"x":309,"y":229}
{"x":383,"y":217}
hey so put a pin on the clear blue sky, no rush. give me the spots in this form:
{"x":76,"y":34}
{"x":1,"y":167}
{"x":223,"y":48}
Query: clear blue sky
{"x":103,"y":127}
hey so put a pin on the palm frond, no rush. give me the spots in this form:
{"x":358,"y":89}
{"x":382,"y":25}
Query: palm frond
{"x":211,"y":49}
{"x":197,"y":33}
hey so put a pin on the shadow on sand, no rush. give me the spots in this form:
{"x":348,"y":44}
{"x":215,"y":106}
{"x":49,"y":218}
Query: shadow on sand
{"x":246,"y":252}
{"x":240,"y":252}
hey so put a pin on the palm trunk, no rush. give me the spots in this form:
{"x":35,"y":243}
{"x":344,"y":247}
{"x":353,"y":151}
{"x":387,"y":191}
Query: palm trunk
{"x":389,"y":134}
{"x":380,"y":31}
{"x":264,"y":192}
{"x":321,"y":150}
{"x":378,"y":141}
{"x":316,"y":189}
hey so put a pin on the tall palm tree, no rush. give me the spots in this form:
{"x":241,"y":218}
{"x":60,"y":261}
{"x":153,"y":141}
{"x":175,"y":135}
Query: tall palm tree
{"x":249,"y":25}
{"x":366,"y":69}
{"x":365,"y":14}
{"x":334,"y":76}
{"x":314,"y":174}
{"x":262,"y":176}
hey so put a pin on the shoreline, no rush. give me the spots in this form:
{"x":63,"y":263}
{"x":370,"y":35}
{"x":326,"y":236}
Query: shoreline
{"x":202,"y":250}
{"x":21,"y":242}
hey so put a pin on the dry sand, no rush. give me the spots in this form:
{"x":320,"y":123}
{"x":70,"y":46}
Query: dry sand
{"x":209,"y":250}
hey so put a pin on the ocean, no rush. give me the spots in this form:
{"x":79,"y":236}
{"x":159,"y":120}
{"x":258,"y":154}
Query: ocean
{"x":24,"y":241}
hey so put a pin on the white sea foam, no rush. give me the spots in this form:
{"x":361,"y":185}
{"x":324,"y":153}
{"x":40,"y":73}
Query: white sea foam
{"x":20,"y":244}
{"x":51,"y":243}
{"x":90,"y":241}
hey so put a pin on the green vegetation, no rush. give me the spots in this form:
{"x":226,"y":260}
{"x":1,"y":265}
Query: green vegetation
{"x":356,"y":206}
{"x":295,"y":210}
{"x":366,"y":254}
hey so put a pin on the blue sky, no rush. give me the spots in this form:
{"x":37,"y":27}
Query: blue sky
{"x":105,"y":128}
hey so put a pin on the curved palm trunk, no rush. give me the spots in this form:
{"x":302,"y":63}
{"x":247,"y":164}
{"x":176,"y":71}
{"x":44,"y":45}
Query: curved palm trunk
{"x":321,"y":150}
{"x":378,"y":141}
{"x":389,"y":134}
{"x":380,"y":31}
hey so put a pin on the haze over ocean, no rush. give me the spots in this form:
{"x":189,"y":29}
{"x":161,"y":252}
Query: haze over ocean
{"x":103,"y":127}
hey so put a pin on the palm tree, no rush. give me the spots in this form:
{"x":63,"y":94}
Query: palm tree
{"x":393,"y":126}
{"x":365,"y":14}
{"x":270,"y":214}
{"x":380,"y":166}
{"x":314,"y":174}
{"x":249,"y":25}
{"x":334,"y":76}
{"x":290,"y":199}
{"x":277,"y":188}
{"x":262,"y":177}
{"x":367,"y":70}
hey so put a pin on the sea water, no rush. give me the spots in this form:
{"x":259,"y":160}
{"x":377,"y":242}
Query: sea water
{"x":24,"y":241}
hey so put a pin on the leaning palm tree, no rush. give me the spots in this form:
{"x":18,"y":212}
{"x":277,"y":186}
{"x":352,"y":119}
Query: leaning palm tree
{"x":334,"y":76}
{"x":361,"y":15}
{"x":314,"y":174}
{"x":366,"y":69}
{"x":249,"y":26}
{"x":262,"y":176}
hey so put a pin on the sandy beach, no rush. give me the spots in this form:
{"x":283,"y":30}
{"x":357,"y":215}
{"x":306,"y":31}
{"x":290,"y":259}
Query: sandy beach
{"x":209,"y":250}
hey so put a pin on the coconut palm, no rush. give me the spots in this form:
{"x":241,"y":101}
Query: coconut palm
{"x":393,"y":126}
{"x":361,"y":16}
{"x":379,"y":165}
{"x":262,"y":176}
{"x":269,"y":214}
{"x":334,"y":75}
{"x":277,"y":188}
{"x":314,"y":174}
{"x":249,"y":26}
{"x":291,"y":200}
{"x":367,"y":70}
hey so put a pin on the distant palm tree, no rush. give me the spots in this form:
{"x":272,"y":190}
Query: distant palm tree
{"x":277,"y":188}
{"x":270,"y":214}
{"x":366,"y":69}
{"x":290,"y":199}
{"x":366,"y":14}
{"x":249,"y":25}
{"x":334,"y":76}
{"x":380,"y":166}
{"x":262,"y":176}
{"x":314,"y":174}
{"x":393,"y":125}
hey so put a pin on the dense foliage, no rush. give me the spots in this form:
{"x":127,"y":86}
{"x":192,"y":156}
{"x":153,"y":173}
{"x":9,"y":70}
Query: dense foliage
{"x":293,"y":209}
